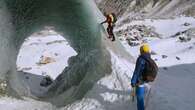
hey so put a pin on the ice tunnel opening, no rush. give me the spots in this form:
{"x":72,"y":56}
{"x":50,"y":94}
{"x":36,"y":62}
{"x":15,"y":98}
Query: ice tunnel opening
{"x":78,"y":23}
{"x":42,"y":58}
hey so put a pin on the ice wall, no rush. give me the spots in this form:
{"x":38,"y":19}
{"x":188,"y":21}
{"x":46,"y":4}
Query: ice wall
{"x":78,"y":20}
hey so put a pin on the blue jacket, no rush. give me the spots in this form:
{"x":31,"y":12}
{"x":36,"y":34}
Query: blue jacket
{"x":139,"y":69}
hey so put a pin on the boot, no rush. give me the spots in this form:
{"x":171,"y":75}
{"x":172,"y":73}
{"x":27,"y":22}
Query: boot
{"x":113,"y":38}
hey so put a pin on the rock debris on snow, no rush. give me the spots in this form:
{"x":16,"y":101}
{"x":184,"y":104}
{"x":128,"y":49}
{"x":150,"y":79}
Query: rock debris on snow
{"x":136,"y":34}
{"x":190,"y":47}
{"x":24,"y":69}
{"x":46,"y":81}
{"x":56,"y":41}
{"x":177,"y":58}
{"x":186,"y":24}
{"x":46,"y":60}
{"x":165,"y":68}
{"x":164,"y":56}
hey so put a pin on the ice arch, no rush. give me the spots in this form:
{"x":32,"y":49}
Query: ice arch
{"x":77,"y":19}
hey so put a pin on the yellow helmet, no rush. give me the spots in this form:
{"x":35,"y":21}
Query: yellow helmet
{"x":144,"y":49}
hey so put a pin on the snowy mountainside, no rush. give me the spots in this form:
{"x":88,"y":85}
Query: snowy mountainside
{"x":172,"y":45}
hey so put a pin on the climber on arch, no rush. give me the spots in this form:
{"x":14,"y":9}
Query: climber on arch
{"x":111,"y":20}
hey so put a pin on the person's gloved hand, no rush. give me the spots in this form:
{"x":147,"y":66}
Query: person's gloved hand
{"x":102,"y":22}
{"x":132,"y":85}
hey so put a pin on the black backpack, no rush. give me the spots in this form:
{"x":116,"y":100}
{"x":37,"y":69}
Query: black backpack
{"x":150,"y":71}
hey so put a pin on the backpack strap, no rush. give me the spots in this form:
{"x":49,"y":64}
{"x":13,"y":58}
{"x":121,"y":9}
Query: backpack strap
{"x":147,"y":60}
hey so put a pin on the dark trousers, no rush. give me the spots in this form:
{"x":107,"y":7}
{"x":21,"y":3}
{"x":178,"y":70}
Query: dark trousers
{"x":110,"y":32}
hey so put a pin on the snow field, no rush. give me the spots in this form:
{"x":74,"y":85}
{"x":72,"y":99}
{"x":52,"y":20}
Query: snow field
{"x":52,"y":46}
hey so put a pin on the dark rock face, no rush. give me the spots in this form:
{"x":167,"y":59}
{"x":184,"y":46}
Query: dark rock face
{"x":116,"y":6}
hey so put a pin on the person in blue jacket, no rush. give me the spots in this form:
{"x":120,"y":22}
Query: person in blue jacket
{"x":136,"y":81}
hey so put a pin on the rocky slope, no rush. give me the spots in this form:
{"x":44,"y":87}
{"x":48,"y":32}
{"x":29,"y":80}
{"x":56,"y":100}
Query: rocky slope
{"x":148,"y":8}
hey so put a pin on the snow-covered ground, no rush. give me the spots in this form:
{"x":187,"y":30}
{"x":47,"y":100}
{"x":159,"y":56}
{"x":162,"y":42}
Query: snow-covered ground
{"x":168,"y":50}
{"x":45,"y":53}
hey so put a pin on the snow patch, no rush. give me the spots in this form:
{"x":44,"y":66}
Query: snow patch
{"x":42,"y":54}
